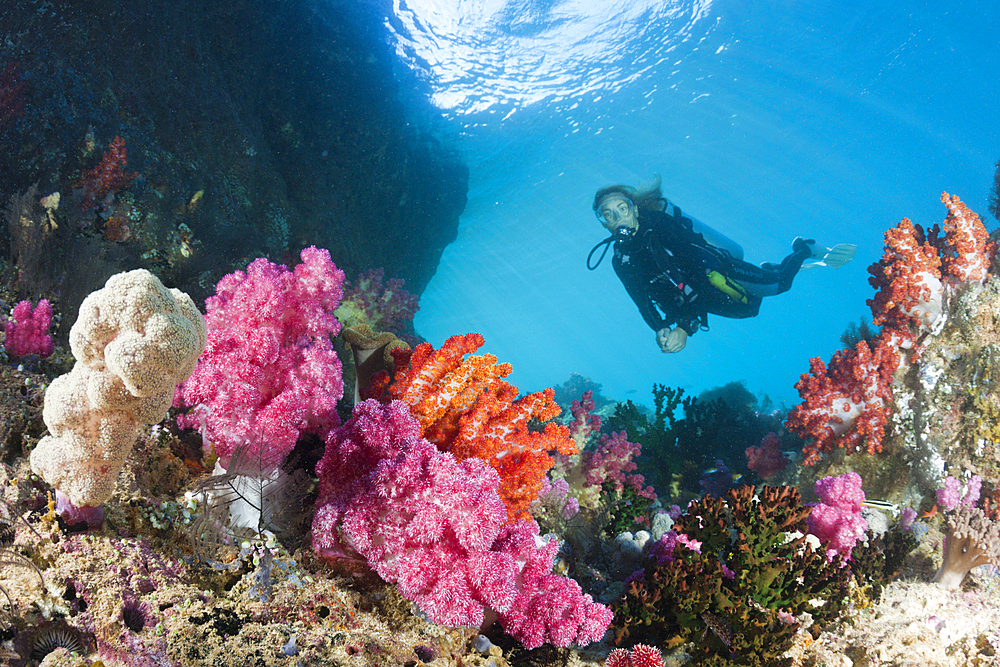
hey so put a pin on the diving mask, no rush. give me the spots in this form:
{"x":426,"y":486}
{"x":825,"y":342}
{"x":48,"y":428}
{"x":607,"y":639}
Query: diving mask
{"x":615,"y":211}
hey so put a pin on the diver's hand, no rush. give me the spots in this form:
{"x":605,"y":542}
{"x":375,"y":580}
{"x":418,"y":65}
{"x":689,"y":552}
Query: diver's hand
{"x":671,"y":341}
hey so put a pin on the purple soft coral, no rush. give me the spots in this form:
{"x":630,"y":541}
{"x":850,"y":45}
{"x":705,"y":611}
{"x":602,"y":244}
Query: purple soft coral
{"x":269,"y":371}
{"x":438,"y":528}
{"x":383,"y":307}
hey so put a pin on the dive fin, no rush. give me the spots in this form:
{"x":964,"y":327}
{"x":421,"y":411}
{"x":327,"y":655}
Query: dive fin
{"x":834,"y":257}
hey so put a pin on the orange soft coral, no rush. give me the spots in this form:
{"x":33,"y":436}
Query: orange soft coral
{"x":466,"y":408}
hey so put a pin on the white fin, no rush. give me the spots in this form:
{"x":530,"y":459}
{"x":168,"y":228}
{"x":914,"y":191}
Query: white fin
{"x":834,"y":257}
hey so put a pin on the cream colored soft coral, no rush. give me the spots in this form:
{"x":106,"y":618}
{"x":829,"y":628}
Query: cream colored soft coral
{"x":134,"y":341}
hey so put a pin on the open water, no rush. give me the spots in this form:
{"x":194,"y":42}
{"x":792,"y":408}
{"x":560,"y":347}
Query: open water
{"x":767,"y":120}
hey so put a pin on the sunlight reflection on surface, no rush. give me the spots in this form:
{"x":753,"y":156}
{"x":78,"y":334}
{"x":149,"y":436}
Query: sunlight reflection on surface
{"x":484,"y":54}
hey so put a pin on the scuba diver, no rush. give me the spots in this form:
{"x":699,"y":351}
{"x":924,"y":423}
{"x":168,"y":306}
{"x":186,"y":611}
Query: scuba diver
{"x":678,"y":270}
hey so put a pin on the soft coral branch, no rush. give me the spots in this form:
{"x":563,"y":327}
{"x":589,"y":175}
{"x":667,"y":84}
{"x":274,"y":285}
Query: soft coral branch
{"x":465,"y":407}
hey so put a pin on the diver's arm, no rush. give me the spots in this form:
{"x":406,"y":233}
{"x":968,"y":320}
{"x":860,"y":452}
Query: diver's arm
{"x":640,"y":296}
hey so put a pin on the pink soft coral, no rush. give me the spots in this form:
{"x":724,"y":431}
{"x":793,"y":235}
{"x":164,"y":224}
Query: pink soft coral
{"x":28,"y":330}
{"x":439,"y":529}
{"x":269,"y":372}
{"x":836,"y":520}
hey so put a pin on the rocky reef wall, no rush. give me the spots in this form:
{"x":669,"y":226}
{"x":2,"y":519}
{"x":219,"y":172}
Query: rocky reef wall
{"x":245,"y":129}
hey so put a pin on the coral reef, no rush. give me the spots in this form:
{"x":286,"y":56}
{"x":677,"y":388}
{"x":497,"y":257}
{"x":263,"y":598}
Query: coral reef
{"x":972,"y":534}
{"x":933,"y":290}
{"x":768,"y":459}
{"x":836,"y":520}
{"x":11,"y":93}
{"x":640,"y":656}
{"x":380,"y":306}
{"x":107,"y":178}
{"x":603,"y":463}
{"x":27,"y":331}
{"x":248,"y":158}
{"x":439,"y":528}
{"x":685,"y":436}
{"x":372,"y":355}
{"x":466,"y":408}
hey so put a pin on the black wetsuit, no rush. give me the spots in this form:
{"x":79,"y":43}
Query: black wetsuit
{"x":675,"y":277}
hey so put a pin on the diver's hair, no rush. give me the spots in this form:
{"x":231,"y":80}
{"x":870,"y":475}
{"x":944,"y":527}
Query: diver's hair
{"x":646,"y":197}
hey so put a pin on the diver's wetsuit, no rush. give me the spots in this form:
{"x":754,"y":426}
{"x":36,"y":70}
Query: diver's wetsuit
{"x":675,"y":277}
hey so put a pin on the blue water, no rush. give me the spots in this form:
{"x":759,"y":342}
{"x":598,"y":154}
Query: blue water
{"x":767,"y":120}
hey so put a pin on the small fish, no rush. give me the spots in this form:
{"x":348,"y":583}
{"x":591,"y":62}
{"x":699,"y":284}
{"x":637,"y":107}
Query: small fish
{"x":720,"y":628}
{"x":883,"y":505}
{"x":715,"y":471}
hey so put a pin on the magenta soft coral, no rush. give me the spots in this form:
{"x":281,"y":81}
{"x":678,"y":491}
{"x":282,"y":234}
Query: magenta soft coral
{"x":837,"y":520}
{"x":439,"y":529}
{"x":269,"y":371}
{"x":28,"y":330}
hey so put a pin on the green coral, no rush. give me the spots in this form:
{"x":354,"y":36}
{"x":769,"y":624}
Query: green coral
{"x":878,"y":561}
{"x":739,"y":597}
{"x":627,"y":510}
{"x":660,"y":463}
{"x":687,"y":435}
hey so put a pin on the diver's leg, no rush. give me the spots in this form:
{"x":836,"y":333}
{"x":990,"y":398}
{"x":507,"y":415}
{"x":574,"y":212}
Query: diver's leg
{"x":802,"y":249}
{"x":770,"y":279}
{"x":756,"y":280}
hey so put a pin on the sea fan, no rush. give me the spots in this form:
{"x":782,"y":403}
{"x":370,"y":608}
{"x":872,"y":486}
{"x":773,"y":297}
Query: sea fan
{"x":10,"y":556}
{"x":246,"y":508}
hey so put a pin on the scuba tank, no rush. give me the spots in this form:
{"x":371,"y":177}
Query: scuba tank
{"x":712,"y":237}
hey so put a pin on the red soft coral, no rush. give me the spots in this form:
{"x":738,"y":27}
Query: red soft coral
{"x":845,"y":403}
{"x":107,"y":177}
